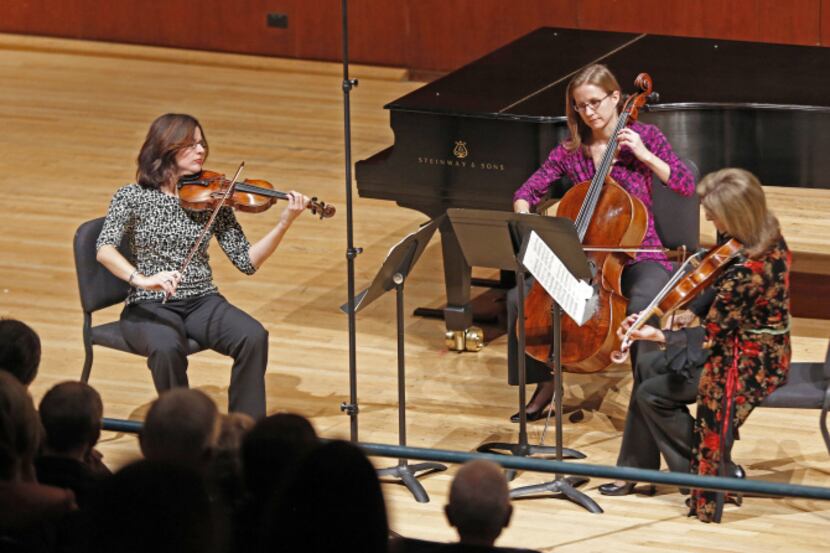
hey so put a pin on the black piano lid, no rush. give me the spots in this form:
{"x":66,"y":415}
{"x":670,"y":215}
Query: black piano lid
{"x":516,"y":81}
{"x":489,"y":86}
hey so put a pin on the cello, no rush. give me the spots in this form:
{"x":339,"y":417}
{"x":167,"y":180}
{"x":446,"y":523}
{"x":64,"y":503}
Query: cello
{"x":604,"y":214}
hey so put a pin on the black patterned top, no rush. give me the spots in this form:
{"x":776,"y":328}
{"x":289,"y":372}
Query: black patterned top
{"x":748,"y":325}
{"x":161,"y":234}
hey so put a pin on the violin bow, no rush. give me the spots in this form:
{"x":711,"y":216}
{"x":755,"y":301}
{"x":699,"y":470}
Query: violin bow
{"x":212,"y":218}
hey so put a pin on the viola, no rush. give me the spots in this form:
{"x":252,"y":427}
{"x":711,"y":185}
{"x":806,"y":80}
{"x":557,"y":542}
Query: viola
{"x":203,"y":191}
{"x":684,"y":286}
{"x":603,"y":213}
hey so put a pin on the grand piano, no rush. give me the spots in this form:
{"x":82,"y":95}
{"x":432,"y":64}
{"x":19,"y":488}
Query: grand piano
{"x":471,"y":138}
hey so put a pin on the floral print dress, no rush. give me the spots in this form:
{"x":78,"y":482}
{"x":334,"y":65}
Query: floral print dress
{"x":748,"y":329}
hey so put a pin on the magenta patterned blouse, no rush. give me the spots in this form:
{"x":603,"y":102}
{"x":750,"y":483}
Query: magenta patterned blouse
{"x":628,"y":171}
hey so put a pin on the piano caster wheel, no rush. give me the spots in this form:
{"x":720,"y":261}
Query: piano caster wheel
{"x":454,"y":340}
{"x":471,"y":339}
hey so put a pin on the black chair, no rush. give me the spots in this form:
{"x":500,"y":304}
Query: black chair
{"x":807,"y":387}
{"x":676,"y":217}
{"x":100,"y":289}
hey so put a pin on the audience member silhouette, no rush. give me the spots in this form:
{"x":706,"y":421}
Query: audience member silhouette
{"x":181,"y":428}
{"x":479,"y":504}
{"x":270,"y":453}
{"x":71,"y":414}
{"x":272,"y":447}
{"x":31,"y":514}
{"x":479,"y":508}
{"x":152,"y":507}
{"x":19,"y":350}
{"x":225,"y":470}
{"x":332,"y":503}
{"x":224,"y":474}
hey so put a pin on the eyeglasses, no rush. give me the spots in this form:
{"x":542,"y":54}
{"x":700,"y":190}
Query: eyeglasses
{"x":593,"y":104}
{"x":193,"y":146}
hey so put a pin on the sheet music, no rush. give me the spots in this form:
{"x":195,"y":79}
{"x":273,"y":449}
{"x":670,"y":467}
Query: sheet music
{"x":572,"y":294}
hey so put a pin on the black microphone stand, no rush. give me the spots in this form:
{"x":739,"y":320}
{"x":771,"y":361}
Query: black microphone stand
{"x":350,"y":408}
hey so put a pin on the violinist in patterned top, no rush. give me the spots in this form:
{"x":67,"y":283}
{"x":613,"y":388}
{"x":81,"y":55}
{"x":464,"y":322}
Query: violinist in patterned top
{"x":161,"y":234}
{"x":733,"y":361}
{"x":593,"y":103}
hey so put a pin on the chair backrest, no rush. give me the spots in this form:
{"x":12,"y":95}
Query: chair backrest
{"x":827,"y":363}
{"x":98,"y":287}
{"x":676,"y":217}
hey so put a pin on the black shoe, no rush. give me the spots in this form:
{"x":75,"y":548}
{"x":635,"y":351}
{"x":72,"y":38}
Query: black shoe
{"x":735,"y":471}
{"x":612,"y":488}
{"x":532,"y":415}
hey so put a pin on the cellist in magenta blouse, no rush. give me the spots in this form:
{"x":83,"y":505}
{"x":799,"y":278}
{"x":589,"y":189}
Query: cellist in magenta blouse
{"x":593,"y":104}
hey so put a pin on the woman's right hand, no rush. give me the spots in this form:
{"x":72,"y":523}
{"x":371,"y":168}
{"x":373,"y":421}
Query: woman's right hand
{"x":163,"y":281}
{"x":521,"y":206}
{"x":679,"y":319}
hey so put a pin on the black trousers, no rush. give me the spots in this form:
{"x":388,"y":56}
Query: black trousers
{"x":640,"y":283}
{"x":160,"y":331}
{"x":658,"y":420}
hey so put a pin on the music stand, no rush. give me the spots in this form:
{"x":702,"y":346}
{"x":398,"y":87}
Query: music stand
{"x":497,"y":239}
{"x":392,"y":274}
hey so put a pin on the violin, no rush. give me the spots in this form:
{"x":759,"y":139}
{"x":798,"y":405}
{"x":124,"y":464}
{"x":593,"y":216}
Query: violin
{"x":603,"y":213}
{"x":684,"y":286}
{"x":203,"y":191}
{"x":210,"y":191}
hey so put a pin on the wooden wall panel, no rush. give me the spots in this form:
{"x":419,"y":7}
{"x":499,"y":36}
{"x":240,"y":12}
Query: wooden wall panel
{"x":445,"y":35}
{"x":431,"y":35}
{"x":824,"y":23}
{"x":799,"y":23}
{"x":736,"y":19}
{"x":378,"y":31}
{"x":619,"y":15}
{"x":206,"y":24}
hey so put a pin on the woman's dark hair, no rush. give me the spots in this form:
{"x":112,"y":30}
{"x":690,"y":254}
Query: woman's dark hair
{"x":19,"y":350}
{"x":272,"y":449}
{"x":151,"y":506}
{"x":20,"y":431}
{"x":335,"y":483}
{"x":168,"y":135}
{"x":71,"y":416}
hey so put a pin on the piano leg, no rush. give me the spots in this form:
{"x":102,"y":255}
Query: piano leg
{"x":458,"y":314}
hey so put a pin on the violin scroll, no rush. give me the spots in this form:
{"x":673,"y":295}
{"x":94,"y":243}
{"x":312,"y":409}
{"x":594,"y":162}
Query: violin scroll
{"x":321,"y":208}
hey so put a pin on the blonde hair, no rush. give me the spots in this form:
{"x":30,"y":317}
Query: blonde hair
{"x":736,"y":199}
{"x":597,"y":75}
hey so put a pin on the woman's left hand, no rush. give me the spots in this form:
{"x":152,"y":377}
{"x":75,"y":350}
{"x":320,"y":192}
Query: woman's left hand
{"x":630,"y":139}
{"x":297,"y":203}
{"x":645,"y":332}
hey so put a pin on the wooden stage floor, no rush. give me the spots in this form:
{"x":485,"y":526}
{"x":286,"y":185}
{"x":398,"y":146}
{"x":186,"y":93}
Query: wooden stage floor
{"x":74,"y":115}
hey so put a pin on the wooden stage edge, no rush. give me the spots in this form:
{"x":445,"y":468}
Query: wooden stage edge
{"x":74,"y":115}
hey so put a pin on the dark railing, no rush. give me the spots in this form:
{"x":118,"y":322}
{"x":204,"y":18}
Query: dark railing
{"x":679,"y":479}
